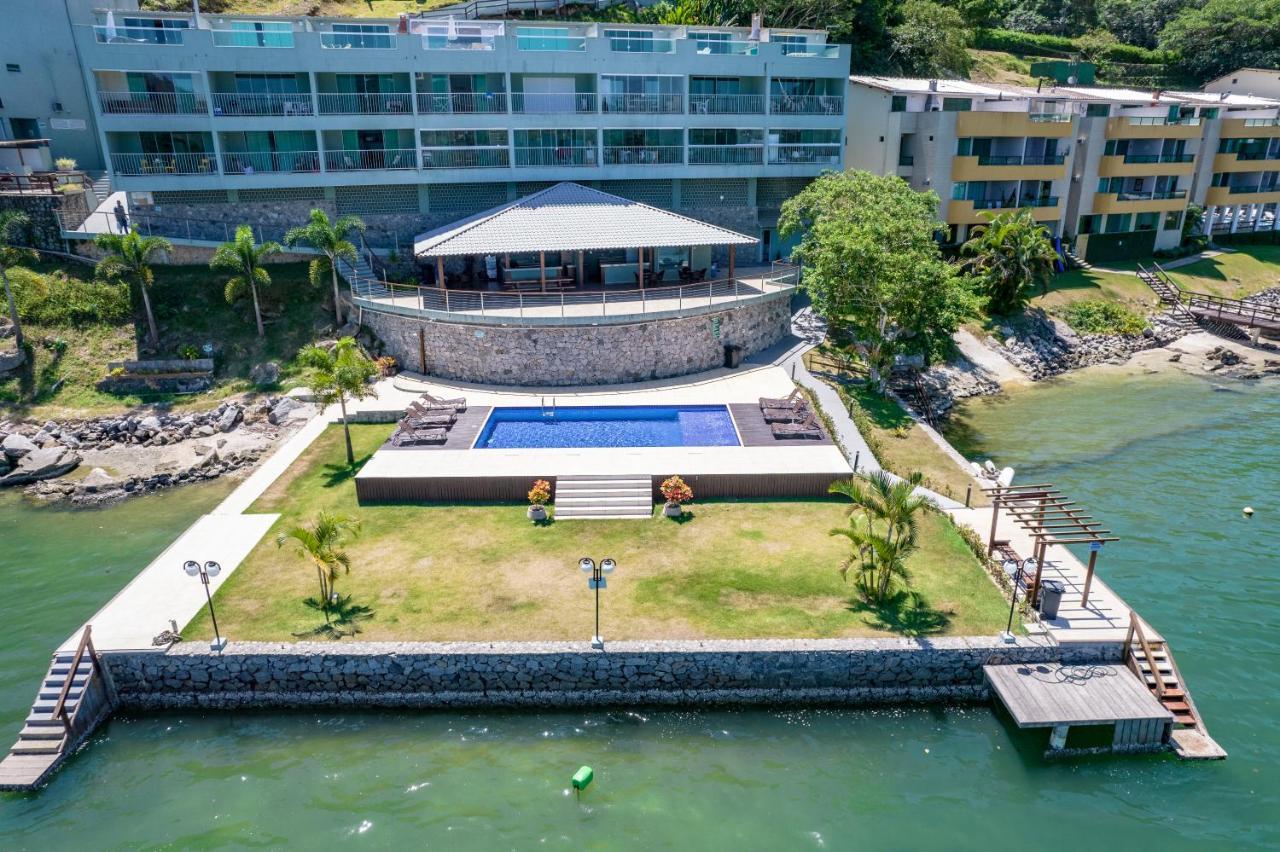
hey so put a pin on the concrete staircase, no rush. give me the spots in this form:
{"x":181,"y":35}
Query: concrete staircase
{"x":604,"y":496}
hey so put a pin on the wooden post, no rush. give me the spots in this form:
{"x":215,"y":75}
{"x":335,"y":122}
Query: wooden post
{"x":732,"y":254}
{"x":422,"y":350}
{"x":1038,"y":551}
{"x":1088,"y":577}
{"x":440,"y":272}
{"x":542,"y":270}
{"x":640,"y":267}
{"x":582,"y":269}
{"x":995,"y":517}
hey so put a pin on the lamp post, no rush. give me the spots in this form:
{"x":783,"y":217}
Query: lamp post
{"x":597,"y":582}
{"x":1018,"y":569}
{"x":204,"y":572}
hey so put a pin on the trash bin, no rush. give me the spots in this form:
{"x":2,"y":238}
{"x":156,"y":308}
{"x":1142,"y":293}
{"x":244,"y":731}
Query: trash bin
{"x":1050,"y":598}
{"x":732,"y":355}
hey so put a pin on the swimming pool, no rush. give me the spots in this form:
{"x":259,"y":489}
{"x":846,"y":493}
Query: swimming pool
{"x":609,"y":426}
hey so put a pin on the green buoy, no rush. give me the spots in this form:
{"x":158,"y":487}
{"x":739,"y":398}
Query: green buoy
{"x":583,"y":778}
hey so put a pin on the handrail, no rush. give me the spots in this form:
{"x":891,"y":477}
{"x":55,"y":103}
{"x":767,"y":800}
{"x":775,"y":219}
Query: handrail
{"x":1135,"y":628}
{"x":60,"y":707}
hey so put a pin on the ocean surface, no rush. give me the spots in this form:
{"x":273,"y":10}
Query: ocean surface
{"x":1167,"y":461}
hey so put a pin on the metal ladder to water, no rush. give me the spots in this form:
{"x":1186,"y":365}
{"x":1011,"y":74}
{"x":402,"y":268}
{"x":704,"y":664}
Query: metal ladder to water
{"x":549,"y":411}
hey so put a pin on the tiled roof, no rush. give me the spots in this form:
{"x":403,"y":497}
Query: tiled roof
{"x":571,"y":217}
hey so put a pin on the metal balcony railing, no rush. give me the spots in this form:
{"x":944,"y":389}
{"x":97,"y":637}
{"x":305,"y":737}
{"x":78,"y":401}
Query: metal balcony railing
{"x":350,"y":160}
{"x":553,"y":102}
{"x":252,"y":162}
{"x":160,"y":164}
{"x":563,"y":156}
{"x":642,"y":103}
{"x":265,"y":103}
{"x":1159,"y":158}
{"x":806,"y":104}
{"x":1163,"y":195}
{"x":394,"y":103}
{"x":462,"y":102}
{"x":643,"y":155}
{"x":1250,"y":156}
{"x":465,"y":158}
{"x":1246,"y":190}
{"x":1021,"y":160}
{"x":726,"y":155}
{"x":358,"y":41}
{"x":800,"y":154}
{"x":138,"y":35}
{"x":158,"y":103}
{"x":726,"y":104}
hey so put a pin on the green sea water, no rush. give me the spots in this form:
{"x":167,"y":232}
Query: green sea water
{"x":1167,"y":461}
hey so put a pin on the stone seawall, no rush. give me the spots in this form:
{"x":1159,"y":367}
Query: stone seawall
{"x":580,"y":354}
{"x":545,"y":675}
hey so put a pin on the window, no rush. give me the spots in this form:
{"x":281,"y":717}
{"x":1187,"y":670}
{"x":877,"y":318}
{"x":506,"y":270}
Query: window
{"x":1209,"y":112}
{"x":1118,"y":223}
{"x":791,"y":44}
{"x":959,"y":190}
{"x":964,"y":146}
{"x":13,"y":68}
{"x":1220,"y":178}
{"x":155,"y":30}
{"x":631,"y":41}
{"x":898,"y":103}
{"x":957,"y":104}
{"x":1091,"y":224}
{"x":1146,"y":222}
{"x":711,"y":42}
{"x":258,"y":34}
{"x":1097,"y":110}
{"x":357,"y":35}
{"x":1173,"y":220}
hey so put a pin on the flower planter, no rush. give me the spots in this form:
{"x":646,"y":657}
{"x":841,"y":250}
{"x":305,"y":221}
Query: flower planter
{"x":537,"y":513}
{"x":673,"y":510}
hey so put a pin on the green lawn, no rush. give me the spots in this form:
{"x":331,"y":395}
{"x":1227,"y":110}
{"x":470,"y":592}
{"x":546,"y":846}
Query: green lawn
{"x":735,"y":569}
{"x":190,"y":310}
{"x":1233,"y":275}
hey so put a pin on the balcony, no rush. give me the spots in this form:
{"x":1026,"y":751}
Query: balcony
{"x":1050,"y":117}
{"x":459,"y":35}
{"x":352,"y":160}
{"x":726,"y":155}
{"x":553,"y":102}
{"x":551,"y":39}
{"x":806,"y":104}
{"x":462,"y":102}
{"x":724,"y":47}
{"x":138,"y":35}
{"x":243,"y":103}
{"x":396,"y":103}
{"x":1163,"y":195}
{"x":1159,"y":158}
{"x":253,"y":162}
{"x":642,"y":103}
{"x":802,"y":154}
{"x":812,"y":50}
{"x":151,"y":103}
{"x":1139,"y":202}
{"x":465,"y":158}
{"x":1044,"y":208}
{"x":268,"y":38}
{"x":162,"y":164}
{"x":638,"y":41}
{"x":1153,"y":127}
{"x":1020,"y":160}
{"x":1016,"y":124}
{"x":358,"y":41}
{"x":643,"y":155}
{"x":726,"y":104}
{"x":584,"y":155}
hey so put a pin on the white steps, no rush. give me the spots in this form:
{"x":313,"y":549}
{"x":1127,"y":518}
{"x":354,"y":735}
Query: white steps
{"x":602,"y":496}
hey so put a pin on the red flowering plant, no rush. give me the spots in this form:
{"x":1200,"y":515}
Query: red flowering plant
{"x":540,"y":493}
{"x":676,"y":491}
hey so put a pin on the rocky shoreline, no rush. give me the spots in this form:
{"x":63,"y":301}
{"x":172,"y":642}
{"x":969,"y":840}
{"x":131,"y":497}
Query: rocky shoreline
{"x":142,"y":452}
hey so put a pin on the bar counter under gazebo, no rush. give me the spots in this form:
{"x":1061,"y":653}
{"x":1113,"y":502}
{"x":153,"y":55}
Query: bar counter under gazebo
{"x":571,"y":237}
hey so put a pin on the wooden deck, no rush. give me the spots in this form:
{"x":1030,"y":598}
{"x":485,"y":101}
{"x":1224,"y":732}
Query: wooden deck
{"x":1044,"y":695}
{"x":461,"y":435}
{"x":756,"y":433}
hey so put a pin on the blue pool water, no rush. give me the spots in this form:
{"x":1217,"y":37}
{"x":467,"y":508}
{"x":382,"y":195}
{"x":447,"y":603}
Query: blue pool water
{"x":610,"y":426}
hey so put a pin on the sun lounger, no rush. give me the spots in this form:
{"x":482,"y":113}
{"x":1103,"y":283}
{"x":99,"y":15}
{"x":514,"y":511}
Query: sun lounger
{"x":427,"y":399}
{"x":419,"y":437}
{"x":794,"y":400}
{"x":785,"y":415}
{"x":808,"y":428}
{"x":417,"y":409}
{"x":433,"y":421}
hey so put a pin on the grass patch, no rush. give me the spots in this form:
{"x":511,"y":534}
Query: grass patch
{"x":1098,"y":316}
{"x":1233,"y":275}
{"x":483,"y":572}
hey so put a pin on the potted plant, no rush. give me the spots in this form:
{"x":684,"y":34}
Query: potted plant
{"x":676,"y":492}
{"x":387,"y":365}
{"x":539,"y":494}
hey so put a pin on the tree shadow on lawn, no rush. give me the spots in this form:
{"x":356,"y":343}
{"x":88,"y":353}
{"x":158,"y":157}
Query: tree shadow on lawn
{"x":905,"y":613}
{"x":339,"y":474}
{"x":344,"y":619}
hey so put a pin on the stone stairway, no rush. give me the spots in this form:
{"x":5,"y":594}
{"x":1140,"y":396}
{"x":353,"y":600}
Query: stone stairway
{"x":604,"y":496}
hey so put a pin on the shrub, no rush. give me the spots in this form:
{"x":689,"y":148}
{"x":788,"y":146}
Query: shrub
{"x":65,"y":164}
{"x":386,"y":365}
{"x":1012,"y":41}
{"x":540,"y":493}
{"x":57,"y":299}
{"x":1098,"y":316}
{"x":188,"y":352}
{"x":674,"y":490}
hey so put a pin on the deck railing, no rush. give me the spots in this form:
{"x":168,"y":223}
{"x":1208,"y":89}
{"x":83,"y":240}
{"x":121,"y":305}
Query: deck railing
{"x":250,"y":162}
{"x":671,"y":103}
{"x":394,"y":103}
{"x":801,"y":154}
{"x":553,"y":102}
{"x":465,"y":158}
{"x":462,"y":102}
{"x":160,"y":103}
{"x":138,"y":35}
{"x":350,"y":159}
{"x":1159,"y":158}
{"x":562,"y":156}
{"x":806,"y":104}
{"x":726,"y":155}
{"x":726,"y":104}
{"x":261,"y":103}
{"x":159,"y":164}
{"x":641,"y":155}
{"x":358,"y":41}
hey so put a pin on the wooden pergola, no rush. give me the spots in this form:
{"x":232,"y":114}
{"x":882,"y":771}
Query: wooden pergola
{"x":1042,"y":511}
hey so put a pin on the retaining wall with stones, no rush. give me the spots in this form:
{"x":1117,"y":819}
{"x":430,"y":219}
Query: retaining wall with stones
{"x":579,"y":354}
{"x":543,"y":675}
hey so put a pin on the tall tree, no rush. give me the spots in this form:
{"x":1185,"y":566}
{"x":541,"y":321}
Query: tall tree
{"x":332,"y":240}
{"x":13,"y":226}
{"x":244,"y":257}
{"x":872,"y":263}
{"x":1218,"y":36}
{"x":129,"y":257}
{"x":320,"y":543}
{"x":931,"y":40}
{"x":1009,"y":256}
{"x":882,"y":528}
{"x":344,"y":373}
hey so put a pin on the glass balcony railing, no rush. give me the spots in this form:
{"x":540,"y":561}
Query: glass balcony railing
{"x":253,"y":162}
{"x":1251,"y":156}
{"x":1249,"y":190}
{"x":726,"y":104}
{"x":462,"y":102}
{"x":138,"y":35}
{"x":643,"y":155}
{"x":553,"y":102}
{"x":622,"y":41}
{"x":1158,"y":120}
{"x":1162,"y":195}
{"x":1050,"y":117}
{"x":803,"y":154}
{"x":726,"y":155}
{"x":350,"y":159}
{"x":465,"y":158}
{"x":806,"y":104}
{"x":395,"y":103}
{"x":261,"y":103}
{"x":276,"y":37}
{"x":1039,"y":201}
{"x":459,"y":35}
{"x":549,"y":40}
{"x":161,"y":164}
{"x":724,"y":47}
{"x":1021,"y":160}
{"x":642,"y":103}
{"x":141,"y":103}
{"x":358,"y":41}
{"x":1262,"y":122}
{"x":562,"y":156}
{"x":811,"y":49}
{"x":1159,"y":158}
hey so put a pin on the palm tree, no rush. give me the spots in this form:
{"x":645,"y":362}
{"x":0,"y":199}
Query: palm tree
{"x":331,"y":240}
{"x":1009,"y":254}
{"x":244,"y":257}
{"x":337,"y":376}
{"x":321,"y":544}
{"x":882,"y":528}
{"x":130,"y":256}
{"x":12,"y":224}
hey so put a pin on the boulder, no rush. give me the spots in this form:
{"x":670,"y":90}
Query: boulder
{"x":282,"y":409}
{"x":98,"y":480}
{"x":229,"y":418}
{"x":265,"y":374}
{"x":17,"y":446}
{"x":45,"y":463}
{"x":151,"y":424}
{"x":11,"y":359}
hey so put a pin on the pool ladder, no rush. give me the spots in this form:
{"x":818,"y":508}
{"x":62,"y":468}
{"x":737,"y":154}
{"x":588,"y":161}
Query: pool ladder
{"x":548,"y":411}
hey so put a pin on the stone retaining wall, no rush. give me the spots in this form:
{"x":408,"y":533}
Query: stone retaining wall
{"x":580,"y":354}
{"x":543,"y":675}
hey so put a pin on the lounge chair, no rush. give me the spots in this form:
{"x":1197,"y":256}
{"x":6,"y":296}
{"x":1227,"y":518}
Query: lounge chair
{"x":417,"y":409}
{"x":794,"y":400}
{"x":419,"y":437}
{"x":438,"y":402}
{"x":785,"y":415}
{"x":808,"y":428}
{"x":430,"y":421}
